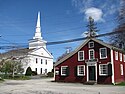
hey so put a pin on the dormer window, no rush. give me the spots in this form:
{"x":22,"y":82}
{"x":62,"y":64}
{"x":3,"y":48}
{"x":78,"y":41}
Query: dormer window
{"x":91,"y":44}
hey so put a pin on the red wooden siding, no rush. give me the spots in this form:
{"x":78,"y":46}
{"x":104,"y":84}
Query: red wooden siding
{"x":72,"y":62}
{"x":117,"y":69}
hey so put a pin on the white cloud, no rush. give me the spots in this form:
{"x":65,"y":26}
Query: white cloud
{"x":95,"y":13}
{"x":82,"y":3}
{"x":109,"y":7}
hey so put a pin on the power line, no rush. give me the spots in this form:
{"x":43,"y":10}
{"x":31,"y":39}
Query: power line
{"x":79,"y":39}
{"x":65,"y":41}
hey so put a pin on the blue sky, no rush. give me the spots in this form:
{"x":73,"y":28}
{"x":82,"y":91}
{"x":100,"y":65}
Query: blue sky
{"x":60,"y":20}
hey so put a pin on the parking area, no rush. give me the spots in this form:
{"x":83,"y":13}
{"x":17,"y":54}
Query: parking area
{"x":46,"y":86}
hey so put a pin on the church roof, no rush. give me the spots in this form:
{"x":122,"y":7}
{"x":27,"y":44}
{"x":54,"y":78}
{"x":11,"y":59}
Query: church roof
{"x":16,"y":52}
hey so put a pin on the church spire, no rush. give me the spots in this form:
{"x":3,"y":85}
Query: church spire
{"x":37,"y":40}
{"x":38,"y":20}
{"x":38,"y":28}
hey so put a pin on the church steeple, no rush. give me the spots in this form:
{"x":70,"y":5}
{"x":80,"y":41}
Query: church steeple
{"x":38,"y":28}
{"x":37,"y":40}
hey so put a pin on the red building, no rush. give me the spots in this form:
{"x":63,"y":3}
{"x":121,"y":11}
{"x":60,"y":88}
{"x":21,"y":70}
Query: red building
{"x":93,"y":61}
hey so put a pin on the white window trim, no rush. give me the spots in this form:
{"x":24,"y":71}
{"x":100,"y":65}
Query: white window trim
{"x":124,"y":57}
{"x":120,"y":54}
{"x":100,"y":70}
{"x":100,"y":53}
{"x":78,"y":70}
{"x":90,"y":43}
{"x":121,"y":68}
{"x":61,"y":70}
{"x":79,"y":56}
{"x":93,"y":53}
{"x":116,"y":55}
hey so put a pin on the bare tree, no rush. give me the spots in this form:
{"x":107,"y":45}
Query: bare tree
{"x":118,"y":39}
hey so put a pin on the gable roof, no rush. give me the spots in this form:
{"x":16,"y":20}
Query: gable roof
{"x":40,"y":48}
{"x":83,"y":44}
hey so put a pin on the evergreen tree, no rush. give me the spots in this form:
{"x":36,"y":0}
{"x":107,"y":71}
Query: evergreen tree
{"x":28,"y":71}
{"x":92,"y":29}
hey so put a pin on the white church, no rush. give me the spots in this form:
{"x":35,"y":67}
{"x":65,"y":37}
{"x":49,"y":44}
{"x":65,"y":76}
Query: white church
{"x":36,"y":56}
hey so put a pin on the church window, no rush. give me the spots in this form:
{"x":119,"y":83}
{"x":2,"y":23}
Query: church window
{"x":45,"y":70}
{"x":36,"y":69}
{"x":41,"y":61}
{"x":41,"y":70}
{"x":36,"y":60}
{"x":46,"y":62}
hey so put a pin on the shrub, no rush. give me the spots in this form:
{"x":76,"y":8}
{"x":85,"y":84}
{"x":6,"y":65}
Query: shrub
{"x":50,"y":74}
{"x":28,"y":71}
{"x":1,"y":79}
{"x":34,"y":73}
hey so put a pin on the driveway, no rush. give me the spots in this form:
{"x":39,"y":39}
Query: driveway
{"x":45,"y":86}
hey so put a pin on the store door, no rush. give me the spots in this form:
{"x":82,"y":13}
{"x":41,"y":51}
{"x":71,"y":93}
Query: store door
{"x":92,"y":76}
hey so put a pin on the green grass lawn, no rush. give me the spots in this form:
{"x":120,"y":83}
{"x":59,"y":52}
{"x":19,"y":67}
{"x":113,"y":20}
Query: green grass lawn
{"x":1,"y":81}
{"x":121,"y":84}
{"x":21,"y":78}
{"x":16,"y":77}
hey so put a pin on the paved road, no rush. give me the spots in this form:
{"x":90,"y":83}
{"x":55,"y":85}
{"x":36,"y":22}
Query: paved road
{"x":45,"y":86}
